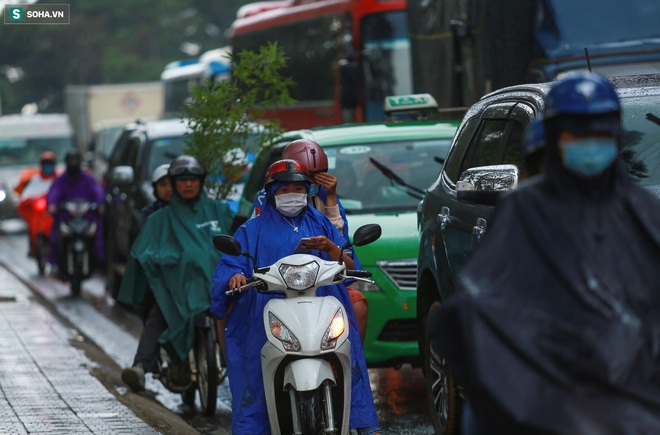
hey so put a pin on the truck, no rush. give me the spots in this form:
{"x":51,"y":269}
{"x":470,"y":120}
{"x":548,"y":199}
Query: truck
{"x":464,"y":49}
{"x":92,"y":107}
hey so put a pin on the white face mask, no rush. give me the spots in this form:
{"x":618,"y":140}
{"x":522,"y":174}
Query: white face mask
{"x":290,"y":204}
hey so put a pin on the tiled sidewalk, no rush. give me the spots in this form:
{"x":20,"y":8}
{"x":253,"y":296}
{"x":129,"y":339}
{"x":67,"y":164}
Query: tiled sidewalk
{"x":45,"y":383}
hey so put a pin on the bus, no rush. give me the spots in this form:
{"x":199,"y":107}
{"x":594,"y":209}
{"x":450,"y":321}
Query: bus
{"x":345,"y":56}
{"x":180,"y":77}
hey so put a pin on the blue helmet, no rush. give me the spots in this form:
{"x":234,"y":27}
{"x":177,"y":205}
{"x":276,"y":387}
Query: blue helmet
{"x":581,"y":93}
{"x":534,"y":137}
{"x":584,"y":102}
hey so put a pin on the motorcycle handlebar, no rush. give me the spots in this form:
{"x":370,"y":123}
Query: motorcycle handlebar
{"x":359,"y":273}
{"x":252,"y":282}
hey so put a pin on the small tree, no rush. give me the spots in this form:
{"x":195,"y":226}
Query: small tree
{"x":228,"y":115}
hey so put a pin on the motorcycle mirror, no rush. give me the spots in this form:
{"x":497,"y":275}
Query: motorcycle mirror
{"x":367,"y":234}
{"x":227,"y":244}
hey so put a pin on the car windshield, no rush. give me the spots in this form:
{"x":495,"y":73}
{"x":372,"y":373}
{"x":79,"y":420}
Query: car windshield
{"x":164,"y":150}
{"x":24,"y":152}
{"x":641,"y":142}
{"x":385,"y":177}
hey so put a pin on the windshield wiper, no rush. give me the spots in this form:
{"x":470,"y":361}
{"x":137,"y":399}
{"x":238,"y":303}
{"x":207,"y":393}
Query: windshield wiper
{"x":389,"y":174}
{"x":651,"y":117}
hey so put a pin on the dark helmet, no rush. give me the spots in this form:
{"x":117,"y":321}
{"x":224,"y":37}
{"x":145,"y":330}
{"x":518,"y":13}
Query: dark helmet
{"x":73,"y":161}
{"x":73,"y":158}
{"x":534,"y":137}
{"x":186,"y":166}
{"x":47,"y":157}
{"x":286,"y":171}
{"x":584,"y":102}
{"x":307,"y":152}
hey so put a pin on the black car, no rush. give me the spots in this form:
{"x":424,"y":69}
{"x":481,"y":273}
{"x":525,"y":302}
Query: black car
{"x":141,"y":147}
{"x":483,"y":162}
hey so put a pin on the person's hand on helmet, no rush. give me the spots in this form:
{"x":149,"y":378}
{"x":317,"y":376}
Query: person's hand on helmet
{"x":328,"y":181}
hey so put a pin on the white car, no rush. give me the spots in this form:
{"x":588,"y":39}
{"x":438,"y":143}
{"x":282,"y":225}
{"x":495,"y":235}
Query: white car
{"x":22,"y":140}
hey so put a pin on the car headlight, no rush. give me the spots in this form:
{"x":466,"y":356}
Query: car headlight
{"x":282,"y":333}
{"x":334,"y":331}
{"x":299,"y":277}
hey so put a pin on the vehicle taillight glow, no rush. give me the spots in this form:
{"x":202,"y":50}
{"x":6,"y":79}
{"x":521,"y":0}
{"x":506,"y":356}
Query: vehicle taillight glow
{"x":40,"y":205}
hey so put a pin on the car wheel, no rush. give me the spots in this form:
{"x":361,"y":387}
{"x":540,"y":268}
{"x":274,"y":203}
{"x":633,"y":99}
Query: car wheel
{"x":442,"y":392}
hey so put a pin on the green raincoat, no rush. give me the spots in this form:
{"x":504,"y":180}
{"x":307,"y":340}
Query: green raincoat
{"x":174,"y":254}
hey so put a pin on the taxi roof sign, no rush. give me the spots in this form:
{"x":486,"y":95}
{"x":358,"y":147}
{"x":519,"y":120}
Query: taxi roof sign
{"x":412,"y":102}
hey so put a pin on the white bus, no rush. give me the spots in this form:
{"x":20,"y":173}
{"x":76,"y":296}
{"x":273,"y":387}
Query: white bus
{"x":180,"y":77}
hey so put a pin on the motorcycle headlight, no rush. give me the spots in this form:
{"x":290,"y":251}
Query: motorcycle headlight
{"x":3,"y":195}
{"x":65,"y":230}
{"x":334,"y":331}
{"x":282,"y":333}
{"x":299,"y":277}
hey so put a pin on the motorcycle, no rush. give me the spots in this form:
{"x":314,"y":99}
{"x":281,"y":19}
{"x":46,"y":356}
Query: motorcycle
{"x":76,"y":238}
{"x":32,"y":207}
{"x":306,"y":361}
{"x":202,"y":373}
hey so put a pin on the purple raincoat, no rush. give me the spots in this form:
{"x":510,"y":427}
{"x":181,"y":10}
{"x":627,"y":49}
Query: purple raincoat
{"x":67,"y":187}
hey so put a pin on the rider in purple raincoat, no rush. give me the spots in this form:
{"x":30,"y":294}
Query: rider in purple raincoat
{"x":74,"y":183}
{"x":269,"y":237}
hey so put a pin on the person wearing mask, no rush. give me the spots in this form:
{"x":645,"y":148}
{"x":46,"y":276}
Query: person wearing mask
{"x":174,"y":257}
{"x":285,"y":218}
{"x":75,"y":183}
{"x":34,"y":184}
{"x":323,"y":196}
{"x":554,"y":327}
{"x":45,"y":171}
{"x":162,"y":192}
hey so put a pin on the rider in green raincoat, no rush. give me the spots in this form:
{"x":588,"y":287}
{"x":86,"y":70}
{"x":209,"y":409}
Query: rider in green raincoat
{"x":174,"y":255}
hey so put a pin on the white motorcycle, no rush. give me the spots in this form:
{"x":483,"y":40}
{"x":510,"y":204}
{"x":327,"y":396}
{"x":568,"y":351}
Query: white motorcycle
{"x":306,"y":362}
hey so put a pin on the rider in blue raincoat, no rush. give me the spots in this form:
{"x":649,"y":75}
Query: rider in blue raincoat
{"x":268,"y":237}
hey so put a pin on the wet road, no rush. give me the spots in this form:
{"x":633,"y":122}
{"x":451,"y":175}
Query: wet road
{"x":399,"y":394}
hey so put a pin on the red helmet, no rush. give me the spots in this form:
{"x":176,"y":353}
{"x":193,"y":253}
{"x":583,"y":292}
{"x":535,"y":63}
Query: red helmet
{"x":288,"y":171}
{"x":307,"y":152}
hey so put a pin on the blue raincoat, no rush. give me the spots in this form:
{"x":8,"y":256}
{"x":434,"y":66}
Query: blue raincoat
{"x":260,"y":202}
{"x":270,"y":237}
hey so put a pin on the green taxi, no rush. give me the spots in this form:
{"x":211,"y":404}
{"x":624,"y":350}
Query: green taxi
{"x":383,"y":170}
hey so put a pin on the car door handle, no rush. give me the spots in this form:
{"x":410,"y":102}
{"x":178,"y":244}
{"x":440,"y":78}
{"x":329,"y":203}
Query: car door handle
{"x":443,"y":217}
{"x":479,"y":229}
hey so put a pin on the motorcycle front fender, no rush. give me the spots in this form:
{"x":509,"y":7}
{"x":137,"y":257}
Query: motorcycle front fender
{"x":307,"y":374}
{"x":78,"y":245}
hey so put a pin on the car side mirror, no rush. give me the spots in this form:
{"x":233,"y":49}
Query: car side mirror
{"x":122,"y":175}
{"x":486,"y":184}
